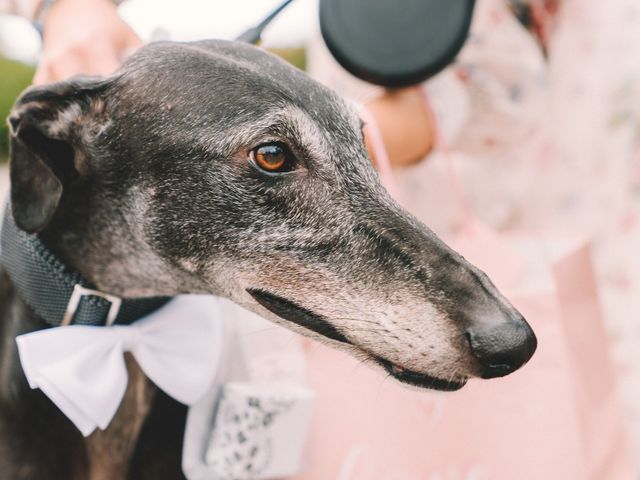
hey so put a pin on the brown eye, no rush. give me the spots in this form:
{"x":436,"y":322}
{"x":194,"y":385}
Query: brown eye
{"x":272,"y":158}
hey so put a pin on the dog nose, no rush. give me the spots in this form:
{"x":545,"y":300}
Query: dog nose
{"x":503,"y":348}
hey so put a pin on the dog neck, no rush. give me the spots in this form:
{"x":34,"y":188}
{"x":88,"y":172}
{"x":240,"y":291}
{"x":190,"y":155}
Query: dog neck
{"x":29,"y":275}
{"x":57,"y":294}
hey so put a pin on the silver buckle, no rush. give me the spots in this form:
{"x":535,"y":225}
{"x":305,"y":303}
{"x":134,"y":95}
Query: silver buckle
{"x":78,"y":292}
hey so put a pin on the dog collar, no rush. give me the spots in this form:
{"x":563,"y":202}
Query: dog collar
{"x":57,"y":294}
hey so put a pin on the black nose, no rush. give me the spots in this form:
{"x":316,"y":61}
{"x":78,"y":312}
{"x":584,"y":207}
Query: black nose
{"x":503,"y":348}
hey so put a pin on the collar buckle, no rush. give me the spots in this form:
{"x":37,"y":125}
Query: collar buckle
{"x":78,"y":292}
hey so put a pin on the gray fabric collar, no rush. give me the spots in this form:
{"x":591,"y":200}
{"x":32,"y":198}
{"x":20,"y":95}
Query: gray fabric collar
{"x":57,"y":294}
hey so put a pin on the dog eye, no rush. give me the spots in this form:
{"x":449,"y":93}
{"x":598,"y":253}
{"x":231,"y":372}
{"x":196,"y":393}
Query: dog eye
{"x":272,"y":158}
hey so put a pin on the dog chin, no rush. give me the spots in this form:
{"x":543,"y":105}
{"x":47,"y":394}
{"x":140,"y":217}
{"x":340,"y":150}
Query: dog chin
{"x":409,"y":378}
{"x":420,"y":380}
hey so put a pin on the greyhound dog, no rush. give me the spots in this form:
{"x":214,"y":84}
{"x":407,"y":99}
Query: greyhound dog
{"x":214,"y":167}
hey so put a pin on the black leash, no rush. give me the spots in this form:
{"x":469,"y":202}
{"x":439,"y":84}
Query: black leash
{"x":254,"y":34}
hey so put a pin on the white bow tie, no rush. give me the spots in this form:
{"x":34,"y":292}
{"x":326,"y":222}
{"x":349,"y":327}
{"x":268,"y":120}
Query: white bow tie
{"x":82,"y":369}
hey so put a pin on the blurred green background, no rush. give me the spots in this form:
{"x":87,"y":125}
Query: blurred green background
{"x":15,"y":77}
{"x":295,"y":56}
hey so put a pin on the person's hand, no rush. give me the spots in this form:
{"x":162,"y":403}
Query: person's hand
{"x":404,"y":123}
{"x":83,"y":37}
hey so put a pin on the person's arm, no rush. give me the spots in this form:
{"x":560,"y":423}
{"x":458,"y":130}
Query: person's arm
{"x":404,"y":123}
{"x":82,"y":37}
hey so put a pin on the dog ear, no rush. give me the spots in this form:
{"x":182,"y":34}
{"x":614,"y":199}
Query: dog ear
{"x":46,"y":147}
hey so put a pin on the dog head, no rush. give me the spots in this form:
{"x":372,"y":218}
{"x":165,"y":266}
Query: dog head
{"x":214,"y":167}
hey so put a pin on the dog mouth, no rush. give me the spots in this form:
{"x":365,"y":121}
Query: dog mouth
{"x":420,"y":380}
{"x":295,"y":313}
{"x":303,"y":317}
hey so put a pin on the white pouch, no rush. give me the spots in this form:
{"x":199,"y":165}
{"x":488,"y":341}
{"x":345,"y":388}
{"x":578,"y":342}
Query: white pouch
{"x":253,"y":423}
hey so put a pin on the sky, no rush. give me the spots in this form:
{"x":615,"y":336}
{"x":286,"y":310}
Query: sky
{"x":185,"y":20}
